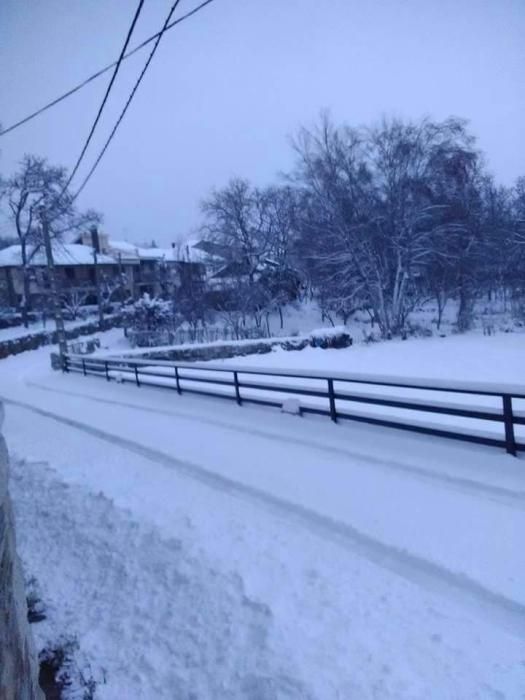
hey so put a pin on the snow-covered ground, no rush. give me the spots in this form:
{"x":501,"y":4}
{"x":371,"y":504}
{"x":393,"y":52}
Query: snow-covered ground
{"x":472,"y":356}
{"x":198,"y":549}
{"x":492,"y":363}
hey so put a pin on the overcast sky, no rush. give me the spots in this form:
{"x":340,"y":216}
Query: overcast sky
{"x":228,"y":87}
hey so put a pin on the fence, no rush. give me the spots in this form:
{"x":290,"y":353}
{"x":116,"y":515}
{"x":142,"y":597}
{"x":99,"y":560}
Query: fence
{"x":338,"y":396}
{"x":182,"y":336}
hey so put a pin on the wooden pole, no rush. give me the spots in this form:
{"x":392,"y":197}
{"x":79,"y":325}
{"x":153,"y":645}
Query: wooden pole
{"x":57,"y":308}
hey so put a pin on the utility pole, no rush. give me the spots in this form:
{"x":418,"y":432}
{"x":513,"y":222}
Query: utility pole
{"x":55,"y":301}
{"x":95,"y":242}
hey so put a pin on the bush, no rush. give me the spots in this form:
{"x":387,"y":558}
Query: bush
{"x":150,"y":314}
{"x":298,"y":344}
{"x":326,"y":338}
{"x":60,"y":675}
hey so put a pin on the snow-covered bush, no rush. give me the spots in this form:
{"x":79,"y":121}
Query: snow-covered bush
{"x":151,"y":314}
{"x":325,"y":338}
{"x":60,"y":672}
{"x":295,"y":344}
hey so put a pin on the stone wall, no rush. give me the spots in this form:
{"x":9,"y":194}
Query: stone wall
{"x":18,"y":664}
{"x":213,"y":351}
{"x":203,"y":352}
{"x":32,"y":341}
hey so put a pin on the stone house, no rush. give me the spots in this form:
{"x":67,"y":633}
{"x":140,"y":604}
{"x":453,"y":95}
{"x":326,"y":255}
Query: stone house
{"x":136,"y":269}
{"x":74,"y":269}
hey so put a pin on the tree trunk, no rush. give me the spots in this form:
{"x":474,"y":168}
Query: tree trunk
{"x":26,"y":296}
{"x":441,"y":299}
{"x":464,"y":319}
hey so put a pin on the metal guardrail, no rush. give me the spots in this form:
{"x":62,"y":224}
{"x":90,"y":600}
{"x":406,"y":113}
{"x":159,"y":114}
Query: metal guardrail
{"x":334,"y":394}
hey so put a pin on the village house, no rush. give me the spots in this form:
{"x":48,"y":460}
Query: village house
{"x":93,"y":260}
{"x":74,"y":268}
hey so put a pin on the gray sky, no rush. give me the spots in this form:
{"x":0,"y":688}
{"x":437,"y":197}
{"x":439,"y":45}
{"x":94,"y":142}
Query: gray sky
{"x":228,"y":87}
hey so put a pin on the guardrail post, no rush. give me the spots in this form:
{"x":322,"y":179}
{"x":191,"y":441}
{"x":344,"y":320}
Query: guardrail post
{"x":508,"y":419}
{"x":84,"y":367}
{"x":237,"y":391}
{"x":137,"y":376}
{"x":331,"y":397}
{"x":177,"y":379}
{"x":107,"y":369}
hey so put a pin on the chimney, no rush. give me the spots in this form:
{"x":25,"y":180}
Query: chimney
{"x":95,"y":241}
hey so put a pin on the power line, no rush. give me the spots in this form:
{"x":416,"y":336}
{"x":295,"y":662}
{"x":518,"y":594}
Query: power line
{"x":102,"y":70}
{"x":130,"y":98}
{"x":108,"y":90}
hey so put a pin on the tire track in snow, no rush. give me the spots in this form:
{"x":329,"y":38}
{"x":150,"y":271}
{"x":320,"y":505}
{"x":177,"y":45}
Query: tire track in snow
{"x":500,"y":494}
{"x":485,"y":603}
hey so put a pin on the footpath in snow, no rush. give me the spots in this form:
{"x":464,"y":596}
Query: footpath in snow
{"x":265,"y":555}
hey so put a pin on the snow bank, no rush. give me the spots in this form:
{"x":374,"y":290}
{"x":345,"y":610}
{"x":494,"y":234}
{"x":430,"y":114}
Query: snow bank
{"x":18,"y":664}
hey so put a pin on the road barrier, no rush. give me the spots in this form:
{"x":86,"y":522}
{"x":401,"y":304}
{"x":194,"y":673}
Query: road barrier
{"x":337,"y":395}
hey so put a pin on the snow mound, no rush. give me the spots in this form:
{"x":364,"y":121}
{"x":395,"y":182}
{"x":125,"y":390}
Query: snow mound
{"x":151,"y":618}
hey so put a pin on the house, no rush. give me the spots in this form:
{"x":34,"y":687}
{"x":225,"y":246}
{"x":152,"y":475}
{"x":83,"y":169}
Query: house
{"x":132,"y":270}
{"x":74,"y":268}
{"x":156,"y":271}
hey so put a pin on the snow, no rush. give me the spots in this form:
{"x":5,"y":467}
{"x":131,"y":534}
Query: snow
{"x":410,"y":381}
{"x":201,"y":549}
{"x":63,"y":254}
{"x":469,"y":357}
{"x":181,"y":252}
{"x":414,"y":363}
{"x":129,"y":249}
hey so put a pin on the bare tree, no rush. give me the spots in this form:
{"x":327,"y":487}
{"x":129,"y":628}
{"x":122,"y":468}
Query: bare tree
{"x":38,"y":184}
{"x":73,"y":300}
{"x":371,"y":210}
{"x":111,"y":287}
{"x":191,"y":302}
{"x":281,"y":276}
{"x":237,"y":220}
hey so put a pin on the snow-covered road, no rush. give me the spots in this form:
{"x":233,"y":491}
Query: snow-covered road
{"x":349,"y":562}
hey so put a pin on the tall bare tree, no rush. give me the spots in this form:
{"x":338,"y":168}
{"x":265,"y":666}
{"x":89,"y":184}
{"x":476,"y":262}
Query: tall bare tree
{"x":372,"y":209}
{"x":37,"y":184}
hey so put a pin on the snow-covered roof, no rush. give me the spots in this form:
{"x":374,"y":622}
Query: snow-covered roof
{"x":127,"y":252}
{"x":123,"y":246}
{"x":63,"y":254}
{"x":131,"y":250}
{"x":184,"y":252}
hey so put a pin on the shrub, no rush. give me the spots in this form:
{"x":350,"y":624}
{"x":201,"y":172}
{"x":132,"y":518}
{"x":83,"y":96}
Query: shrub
{"x":335,"y":338}
{"x":150,"y":314}
{"x":60,"y":675}
{"x":298,"y":344}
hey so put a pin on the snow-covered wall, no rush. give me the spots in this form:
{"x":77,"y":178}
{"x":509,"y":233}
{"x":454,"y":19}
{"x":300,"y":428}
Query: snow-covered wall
{"x":18,"y":665}
{"x":35,"y":340}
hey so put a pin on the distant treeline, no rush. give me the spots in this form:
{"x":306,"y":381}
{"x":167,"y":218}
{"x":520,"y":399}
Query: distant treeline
{"x":377,"y":219}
